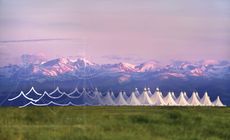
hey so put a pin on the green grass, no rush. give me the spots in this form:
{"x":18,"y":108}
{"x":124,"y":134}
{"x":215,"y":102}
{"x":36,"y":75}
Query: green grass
{"x":115,"y":123}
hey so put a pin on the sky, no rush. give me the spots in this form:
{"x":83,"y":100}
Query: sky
{"x":110,"y":31}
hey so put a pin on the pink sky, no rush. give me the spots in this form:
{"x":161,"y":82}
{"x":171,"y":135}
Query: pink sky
{"x":116,"y":30}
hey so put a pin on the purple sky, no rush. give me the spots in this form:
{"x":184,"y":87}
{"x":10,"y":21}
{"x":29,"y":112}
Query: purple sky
{"x":108,"y":31}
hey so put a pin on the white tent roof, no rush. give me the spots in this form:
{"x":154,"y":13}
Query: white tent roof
{"x":218,"y":102}
{"x":185,"y":96}
{"x":132,"y":100}
{"x":149,"y":92}
{"x":168,"y":99}
{"x":181,"y":100}
{"x":98,"y":96}
{"x":161,"y":94}
{"x":193,"y":100}
{"x":197,"y":95}
{"x":205,"y":100}
{"x":157,"y":89}
{"x":112,"y":95}
{"x":173,"y":95}
{"x":137,"y":93}
{"x":157,"y":99}
{"x":106,"y":100}
{"x":125,"y":96}
{"x":120,"y":99}
{"x":144,"y":98}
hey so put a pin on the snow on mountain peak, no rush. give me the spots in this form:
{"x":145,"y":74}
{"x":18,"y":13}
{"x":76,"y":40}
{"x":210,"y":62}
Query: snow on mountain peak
{"x":177,"y":69}
{"x":148,"y":66}
{"x":64,"y":60}
{"x":57,"y":61}
{"x":126,"y":67}
{"x":55,"y":67}
{"x":196,"y":72}
{"x":83,"y":62}
{"x":119,"y":67}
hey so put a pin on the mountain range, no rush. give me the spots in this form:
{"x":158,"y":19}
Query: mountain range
{"x":206,"y":75}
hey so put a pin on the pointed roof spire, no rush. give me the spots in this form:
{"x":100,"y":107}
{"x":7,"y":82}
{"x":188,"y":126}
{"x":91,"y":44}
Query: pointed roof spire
{"x":157,"y":98}
{"x":106,"y":100}
{"x":181,"y":100}
{"x":144,"y":98}
{"x":33,"y":90}
{"x":168,"y":99}
{"x":149,"y":92}
{"x":132,"y":100}
{"x":218,"y":102}
{"x":185,"y":96}
{"x":137,"y":93}
{"x":205,"y":100}
{"x":125,"y":95}
{"x":173,"y":95}
{"x":120,"y":99}
{"x":198,"y":97}
{"x":193,"y":101}
{"x":157,"y":89}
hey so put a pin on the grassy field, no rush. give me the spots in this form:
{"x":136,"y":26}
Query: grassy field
{"x":114,"y":123}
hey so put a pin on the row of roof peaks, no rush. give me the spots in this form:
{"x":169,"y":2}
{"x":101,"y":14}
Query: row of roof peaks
{"x":157,"y":98}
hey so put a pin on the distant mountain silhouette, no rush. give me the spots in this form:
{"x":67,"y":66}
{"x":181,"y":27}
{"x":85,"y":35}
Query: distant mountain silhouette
{"x":206,"y":75}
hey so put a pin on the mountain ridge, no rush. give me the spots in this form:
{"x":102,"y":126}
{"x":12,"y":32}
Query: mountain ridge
{"x":179,"y":69}
{"x":205,"y":75}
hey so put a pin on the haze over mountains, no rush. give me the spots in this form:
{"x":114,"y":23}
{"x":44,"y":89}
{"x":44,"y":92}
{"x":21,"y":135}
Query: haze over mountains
{"x":67,"y":73}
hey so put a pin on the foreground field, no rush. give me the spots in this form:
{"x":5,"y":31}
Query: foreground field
{"x":114,"y":123}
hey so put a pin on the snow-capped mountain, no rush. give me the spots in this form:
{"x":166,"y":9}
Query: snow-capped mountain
{"x":55,"y":67}
{"x":82,"y":62}
{"x":148,"y":66}
{"x":120,"y":67}
{"x":178,"y":69}
{"x":210,"y":75}
{"x":60,"y":66}
{"x":205,"y":68}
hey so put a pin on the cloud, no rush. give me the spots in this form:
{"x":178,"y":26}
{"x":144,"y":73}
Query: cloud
{"x":35,"y":40}
{"x":134,"y":59}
